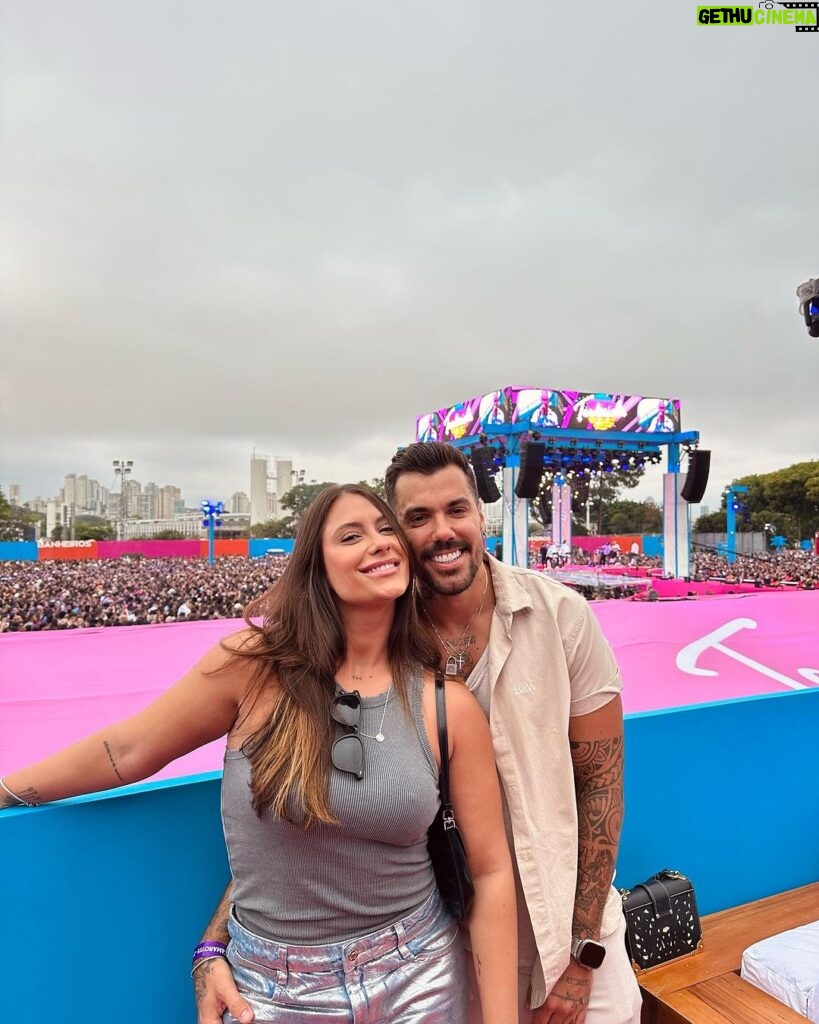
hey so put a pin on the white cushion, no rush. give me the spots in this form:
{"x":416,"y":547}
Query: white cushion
{"x":786,"y":966}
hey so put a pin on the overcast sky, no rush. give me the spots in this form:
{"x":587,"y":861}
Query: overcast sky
{"x":297,"y":226}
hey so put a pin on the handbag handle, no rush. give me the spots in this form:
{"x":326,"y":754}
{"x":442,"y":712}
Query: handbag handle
{"x":443,"y":743}
{"x":659,"y":896}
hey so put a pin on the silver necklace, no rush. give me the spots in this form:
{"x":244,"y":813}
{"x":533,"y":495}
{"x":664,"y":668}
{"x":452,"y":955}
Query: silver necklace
{"x":379,"y":736}
{"x":459,"y":650}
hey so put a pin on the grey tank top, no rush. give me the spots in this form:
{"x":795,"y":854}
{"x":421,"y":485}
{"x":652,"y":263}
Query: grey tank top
{"x":330,"y":883}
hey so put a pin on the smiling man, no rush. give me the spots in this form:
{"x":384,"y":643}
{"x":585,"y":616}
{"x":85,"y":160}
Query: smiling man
{"x":533,"y":655}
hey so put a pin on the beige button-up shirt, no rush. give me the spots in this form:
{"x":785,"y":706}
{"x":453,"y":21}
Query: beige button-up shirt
{"x":547,"y":661}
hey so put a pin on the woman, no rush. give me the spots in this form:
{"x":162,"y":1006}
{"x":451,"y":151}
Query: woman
{"x":330,"y":785}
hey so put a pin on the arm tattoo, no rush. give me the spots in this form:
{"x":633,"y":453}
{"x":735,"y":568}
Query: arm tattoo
{"x":217,"y":929}
{"x":201,"y":977}
{"x":28,"y":796}
{"x":598,"y":772}
{"x":111,"y":759}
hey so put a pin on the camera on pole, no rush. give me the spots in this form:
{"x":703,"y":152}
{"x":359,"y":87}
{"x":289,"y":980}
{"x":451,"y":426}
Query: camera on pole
{"x":808,"y":295}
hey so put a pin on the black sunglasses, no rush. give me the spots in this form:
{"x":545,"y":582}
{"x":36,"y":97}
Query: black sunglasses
{"x":347,"y":753}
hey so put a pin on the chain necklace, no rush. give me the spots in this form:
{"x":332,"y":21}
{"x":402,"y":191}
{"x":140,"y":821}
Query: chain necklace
{"x":379,"y":736}
{"x":458,"y":657}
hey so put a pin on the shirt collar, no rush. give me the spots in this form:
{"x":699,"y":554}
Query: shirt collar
{"x":510,"y":594}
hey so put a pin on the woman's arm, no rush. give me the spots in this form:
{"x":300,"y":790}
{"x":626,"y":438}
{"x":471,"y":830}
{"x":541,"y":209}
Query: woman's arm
{"x":200,"y":707}
{"x":475,"y":793}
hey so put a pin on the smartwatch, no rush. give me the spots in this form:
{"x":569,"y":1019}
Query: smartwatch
{"x":588,"y":953}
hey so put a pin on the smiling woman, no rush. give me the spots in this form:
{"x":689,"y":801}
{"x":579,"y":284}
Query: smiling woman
{"x":332,"y":765}
{"x":362,"y":554}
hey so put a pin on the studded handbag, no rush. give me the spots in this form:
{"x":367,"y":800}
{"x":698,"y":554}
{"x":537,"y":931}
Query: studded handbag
{"x":662,"y":921}
{"x":444,"y":840}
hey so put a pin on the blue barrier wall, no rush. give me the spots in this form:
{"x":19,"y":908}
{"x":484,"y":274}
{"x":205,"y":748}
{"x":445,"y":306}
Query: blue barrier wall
{"x":18,"y":551}
{"x":104,"y":897}
{"x":726,"y":793}
{"x":258,"y":546}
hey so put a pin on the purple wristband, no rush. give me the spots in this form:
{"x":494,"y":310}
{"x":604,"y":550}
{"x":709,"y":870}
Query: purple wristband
{"x":208,"y":950}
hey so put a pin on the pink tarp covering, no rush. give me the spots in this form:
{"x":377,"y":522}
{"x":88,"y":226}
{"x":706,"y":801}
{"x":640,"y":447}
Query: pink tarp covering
{"x":57,"y":687}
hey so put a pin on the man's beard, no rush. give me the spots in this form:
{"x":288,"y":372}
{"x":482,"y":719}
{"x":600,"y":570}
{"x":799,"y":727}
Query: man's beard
{"x":448,"y":587}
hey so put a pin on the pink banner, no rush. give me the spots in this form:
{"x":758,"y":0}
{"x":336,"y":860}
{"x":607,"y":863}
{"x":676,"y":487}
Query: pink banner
{"x":56,"y":687}
{"x":149,"y":548}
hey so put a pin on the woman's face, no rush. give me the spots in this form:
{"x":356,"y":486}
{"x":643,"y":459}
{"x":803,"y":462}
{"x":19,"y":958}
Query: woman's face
{"x":365,"y":563}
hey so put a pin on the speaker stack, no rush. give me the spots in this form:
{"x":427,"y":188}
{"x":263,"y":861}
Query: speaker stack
{"x":483,"y":462}
{"x":532,"y":454}
{"x":696,"y":479}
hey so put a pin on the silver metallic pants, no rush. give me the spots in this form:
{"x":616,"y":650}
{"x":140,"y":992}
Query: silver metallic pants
{"x":412,"y":972}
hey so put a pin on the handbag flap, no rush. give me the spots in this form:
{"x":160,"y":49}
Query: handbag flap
{"x":656,"y":892}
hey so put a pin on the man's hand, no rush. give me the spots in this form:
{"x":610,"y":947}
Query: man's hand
{"x":216,"y":991}
{"x":568,"y":1000}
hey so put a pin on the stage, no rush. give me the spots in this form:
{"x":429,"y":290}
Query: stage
{"x":55,"y":687}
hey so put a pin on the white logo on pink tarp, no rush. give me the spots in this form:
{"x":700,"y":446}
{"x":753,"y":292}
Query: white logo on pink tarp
{"x":687,"y":657}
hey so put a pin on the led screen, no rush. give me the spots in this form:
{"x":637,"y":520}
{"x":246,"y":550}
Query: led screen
{"x":524,"y":408}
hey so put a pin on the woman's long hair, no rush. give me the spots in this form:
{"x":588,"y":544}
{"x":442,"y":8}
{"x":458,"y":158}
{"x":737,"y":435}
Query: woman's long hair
{"x":301,"y":644}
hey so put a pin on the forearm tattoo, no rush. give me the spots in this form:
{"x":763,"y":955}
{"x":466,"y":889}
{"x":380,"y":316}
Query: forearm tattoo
{"x":598,"y":772}
{"x":28,"y":796}
{"x":111,"y":759}
{"x":217,"y":929}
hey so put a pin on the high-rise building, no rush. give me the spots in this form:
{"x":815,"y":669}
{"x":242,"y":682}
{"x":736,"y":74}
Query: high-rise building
{"x":69,"y":491}
{"x":168,"y":496}
{"x":239,"y":503}
{"x":284,"y":477}
{"x":133,"y":489}
{"x":258,"y":488}
{"x":15,"y":494}
{"x":83,"y":493}
{"x":149,"y":502}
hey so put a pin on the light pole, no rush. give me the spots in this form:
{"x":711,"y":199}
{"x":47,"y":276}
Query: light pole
{"x":211,"y":511}
{"x":122,"y":469}
{"x":731,"y":508}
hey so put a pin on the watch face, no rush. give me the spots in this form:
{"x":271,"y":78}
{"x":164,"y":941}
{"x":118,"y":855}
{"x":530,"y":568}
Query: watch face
{"x":591,"y":954}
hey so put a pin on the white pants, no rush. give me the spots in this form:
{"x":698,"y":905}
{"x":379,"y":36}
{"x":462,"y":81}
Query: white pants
{"x":615,"y":994}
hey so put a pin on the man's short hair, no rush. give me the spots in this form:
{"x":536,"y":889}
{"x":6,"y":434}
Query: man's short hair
{"x":427,"y":457}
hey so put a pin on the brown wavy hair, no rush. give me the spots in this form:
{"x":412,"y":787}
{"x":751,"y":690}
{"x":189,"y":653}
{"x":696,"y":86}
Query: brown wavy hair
{"x":299,"y":647}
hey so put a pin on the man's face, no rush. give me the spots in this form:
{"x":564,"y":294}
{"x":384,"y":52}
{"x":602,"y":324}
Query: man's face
{"x":444,"y":526}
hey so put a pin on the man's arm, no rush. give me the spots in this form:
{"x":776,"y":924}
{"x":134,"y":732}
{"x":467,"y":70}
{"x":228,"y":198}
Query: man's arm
{"x":596,"y":742}
{"x":213,"y":983}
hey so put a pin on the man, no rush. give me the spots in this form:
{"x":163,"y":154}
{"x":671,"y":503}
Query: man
{"x":530,"y":649}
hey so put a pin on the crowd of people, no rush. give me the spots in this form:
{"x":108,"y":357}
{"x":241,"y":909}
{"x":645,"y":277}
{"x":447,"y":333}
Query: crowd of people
{"x":787,"y":568}
{"x":129,"y":591}
{"x":140,"y":591}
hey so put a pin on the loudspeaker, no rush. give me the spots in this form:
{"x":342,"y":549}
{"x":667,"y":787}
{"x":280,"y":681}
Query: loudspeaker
{"x":531,"y":468}
{"x":482,"y":460}
{"x":696,"y":479}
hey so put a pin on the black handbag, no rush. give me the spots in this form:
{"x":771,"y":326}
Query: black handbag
{"x":662,"y":921}
{"x":444,"y":841}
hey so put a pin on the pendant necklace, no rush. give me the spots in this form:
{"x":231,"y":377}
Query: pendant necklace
{"x":459,"y":654}
{"x":379,"y":736}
